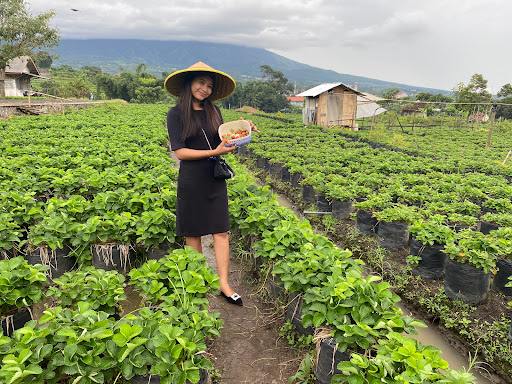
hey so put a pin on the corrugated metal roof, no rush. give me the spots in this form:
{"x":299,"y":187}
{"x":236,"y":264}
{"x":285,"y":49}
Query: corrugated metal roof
{"x":367,"y":108}
{"x":18,"y":65}
{"x":319,"y":89}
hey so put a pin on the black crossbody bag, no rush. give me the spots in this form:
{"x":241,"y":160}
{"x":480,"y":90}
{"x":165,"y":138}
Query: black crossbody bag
{"x":221,"y":169}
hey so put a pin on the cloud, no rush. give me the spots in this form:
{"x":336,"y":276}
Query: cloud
{"x":434,"y":43}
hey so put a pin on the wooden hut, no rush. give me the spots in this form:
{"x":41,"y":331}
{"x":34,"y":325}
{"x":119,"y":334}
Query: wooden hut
{"x":330,"y":104}
{"x":18,"y":73}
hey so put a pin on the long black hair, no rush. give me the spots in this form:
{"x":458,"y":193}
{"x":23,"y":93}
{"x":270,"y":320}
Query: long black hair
{"x":190,"y":120}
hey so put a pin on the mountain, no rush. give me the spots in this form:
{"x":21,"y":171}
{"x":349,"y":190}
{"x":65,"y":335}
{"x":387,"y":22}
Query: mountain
{"x":242,"y":63}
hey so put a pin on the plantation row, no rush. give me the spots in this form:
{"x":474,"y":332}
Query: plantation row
{"x":79,"y":341}
{"x":457,"y":225}
{"x":94,"y":177}
{"x":464,"y":146}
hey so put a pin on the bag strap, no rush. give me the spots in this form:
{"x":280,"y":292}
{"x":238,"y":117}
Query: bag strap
{"x":208,"y":141}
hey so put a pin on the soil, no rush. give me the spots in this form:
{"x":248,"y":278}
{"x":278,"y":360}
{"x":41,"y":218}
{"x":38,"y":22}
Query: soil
{"x":249,"y":349}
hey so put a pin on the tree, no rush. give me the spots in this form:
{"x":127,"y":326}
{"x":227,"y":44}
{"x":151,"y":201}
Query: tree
{"x":390,"y":93}
{"x":43,"y":59}
{"x":91,"y":71}
{"x":22,"y":34}
{"x":473,"y":93}
{"x":505,"y":91}
{"x":505,"y":111}
{"x":267,"y":94}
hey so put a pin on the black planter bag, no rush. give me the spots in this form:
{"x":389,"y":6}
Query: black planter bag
{"x":392,"y":236}
{"x":327,"y":363}
{"x":260,"y":161}
{"x":486,"y":227}
{"x":294,"y":314}
{"x":112,"y":257}
{"x":285,"y":175}
{"x":15,"y":321}
{"x":341,"y":210}
{"x":295,"y":179}
{"x":275,"y":168}
{"x":366,"y":224}
{"x":504,"y":267}
{"x":275,"y":288}
{"x":59,"y":260}
{"x":465,"y":282}
{"x":431,"y":265}
{"x":309,"y":194}
{"x":323,"y":205}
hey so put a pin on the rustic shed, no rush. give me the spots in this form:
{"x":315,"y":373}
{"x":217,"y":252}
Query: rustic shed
{"x":414,"y":109}
{"x":330,"y":104}
{"x":18,"y":73}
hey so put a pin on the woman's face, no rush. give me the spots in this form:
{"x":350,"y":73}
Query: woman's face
{"x":201,"y":87}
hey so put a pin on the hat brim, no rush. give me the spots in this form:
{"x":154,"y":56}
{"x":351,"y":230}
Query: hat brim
{"x":224,"y":85}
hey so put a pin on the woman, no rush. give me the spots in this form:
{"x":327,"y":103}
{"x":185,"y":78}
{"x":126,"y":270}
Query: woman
{"x":202,"y":206}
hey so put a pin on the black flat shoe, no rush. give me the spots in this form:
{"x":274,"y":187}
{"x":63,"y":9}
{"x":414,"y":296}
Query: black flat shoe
{"x":233,"y":299}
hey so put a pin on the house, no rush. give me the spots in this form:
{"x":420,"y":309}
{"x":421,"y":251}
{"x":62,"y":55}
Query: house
{"x":483,"y":117}
{"x":296,"y":100}
{"x":330,"y":104}
{"x":18,"y":73}
{"x":414,"y":109}
{"x":401,"y":95}
{"x":247,"y":109}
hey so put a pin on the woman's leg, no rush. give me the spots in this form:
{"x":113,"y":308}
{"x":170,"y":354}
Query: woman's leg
{"x":194,"y":242}
{"x":221,"y":248}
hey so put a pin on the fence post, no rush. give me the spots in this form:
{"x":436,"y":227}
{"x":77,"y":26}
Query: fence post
{"x":493,"y":113}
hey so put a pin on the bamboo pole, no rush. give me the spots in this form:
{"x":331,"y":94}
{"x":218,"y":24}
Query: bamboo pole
{"x":508,"y":154}
{"x":29,"y":99}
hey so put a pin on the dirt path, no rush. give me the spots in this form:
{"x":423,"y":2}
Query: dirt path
{"x":249,"y":349}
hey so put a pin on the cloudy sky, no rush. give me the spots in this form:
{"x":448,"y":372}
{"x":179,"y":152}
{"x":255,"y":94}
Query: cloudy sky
{"x":434,"y":43}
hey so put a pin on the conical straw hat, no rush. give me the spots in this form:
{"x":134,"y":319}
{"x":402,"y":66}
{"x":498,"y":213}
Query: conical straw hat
{"x":223,"y":86}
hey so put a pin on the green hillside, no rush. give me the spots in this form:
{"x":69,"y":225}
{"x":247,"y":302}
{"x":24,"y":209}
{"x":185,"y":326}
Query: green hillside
{"x":243,"y":63}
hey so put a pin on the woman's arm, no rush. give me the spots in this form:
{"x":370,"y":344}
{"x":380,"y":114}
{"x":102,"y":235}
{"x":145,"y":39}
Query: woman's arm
{"x":197,"y":154}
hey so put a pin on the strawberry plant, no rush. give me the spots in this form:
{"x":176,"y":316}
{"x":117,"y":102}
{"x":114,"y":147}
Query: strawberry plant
{"x":103,"y":290}
{"x":475,"y":248}
{"x":21,"y":284}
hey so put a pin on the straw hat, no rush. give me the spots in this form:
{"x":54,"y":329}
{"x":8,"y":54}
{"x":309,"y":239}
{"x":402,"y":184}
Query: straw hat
{"x":223,"y":86}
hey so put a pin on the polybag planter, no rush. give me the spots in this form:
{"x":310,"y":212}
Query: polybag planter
{"x":393,"y":236}
{"x":285,"y":175}
{"x":309,"y":194}
{"x":504,"y":268}
{"x":322,"y":204}
{"x":328,"y":359}
{"x":466,"y":282}
{"x":58,"y":260}
{"x":366,"y":224}
{"x":342,"y":210}
{"x":431,"y":265}
{"x":294,"y":314}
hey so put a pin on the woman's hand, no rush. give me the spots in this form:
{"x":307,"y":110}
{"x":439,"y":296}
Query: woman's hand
{"x":222,"y":149}
{"x":253,"y":127}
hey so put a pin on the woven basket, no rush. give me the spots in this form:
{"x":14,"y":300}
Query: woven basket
{"x":234,"y":126}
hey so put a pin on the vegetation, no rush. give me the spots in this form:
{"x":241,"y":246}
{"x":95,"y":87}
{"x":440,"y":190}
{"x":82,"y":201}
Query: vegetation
{"x":23,"y":34}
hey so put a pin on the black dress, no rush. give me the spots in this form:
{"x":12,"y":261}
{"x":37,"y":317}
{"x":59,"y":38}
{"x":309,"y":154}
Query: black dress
{"x":202,"y":205}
